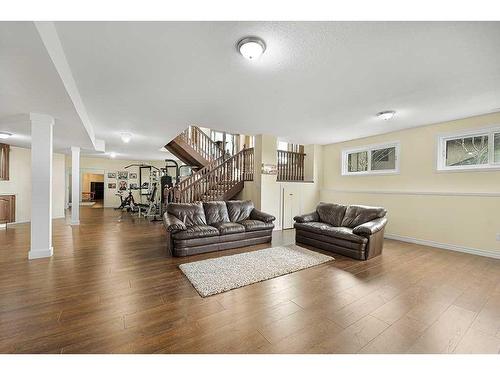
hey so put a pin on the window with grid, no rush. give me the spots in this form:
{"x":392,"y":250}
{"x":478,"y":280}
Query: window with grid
{"x":374,"y":159}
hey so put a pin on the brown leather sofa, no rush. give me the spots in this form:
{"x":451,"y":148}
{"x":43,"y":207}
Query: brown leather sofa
{"x":195,"y":228}
{"x":354,"y":231}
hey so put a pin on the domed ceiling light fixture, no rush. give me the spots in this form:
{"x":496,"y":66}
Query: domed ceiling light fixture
{"x":126,"y":137}
{"x":386,"y":115}
{"x":251,"y":48}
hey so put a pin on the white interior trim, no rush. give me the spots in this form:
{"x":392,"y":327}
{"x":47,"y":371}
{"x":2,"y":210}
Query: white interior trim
{"x":403,"y":192}
{"x":51,"y":41}
{"x":44,"y":253}
{"x":440,"y":245}
{"x":445,"y":137}
{"x":369,"y":149}
{"x":29,"y":221}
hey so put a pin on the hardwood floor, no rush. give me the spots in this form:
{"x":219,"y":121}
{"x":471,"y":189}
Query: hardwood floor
{"x":111,"y":288}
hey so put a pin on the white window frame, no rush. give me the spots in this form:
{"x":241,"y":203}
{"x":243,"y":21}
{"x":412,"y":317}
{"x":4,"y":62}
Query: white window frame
{"x":441,"y":150}
{"x":369,"y":149}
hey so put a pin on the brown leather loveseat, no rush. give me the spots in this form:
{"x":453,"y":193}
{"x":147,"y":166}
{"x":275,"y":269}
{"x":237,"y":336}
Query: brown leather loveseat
{"x":354,"y":231}
{"x":195,"y":228}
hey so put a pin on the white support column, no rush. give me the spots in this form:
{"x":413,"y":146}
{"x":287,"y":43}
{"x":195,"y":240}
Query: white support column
{"x":75,"y":185}
{"x":41,"y":186}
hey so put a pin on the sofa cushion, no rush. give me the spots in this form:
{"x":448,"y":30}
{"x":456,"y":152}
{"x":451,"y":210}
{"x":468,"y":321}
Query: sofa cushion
{"x":331,"y":213}
{"x":191,"y":242}
{"x":252,"y":225}
{"x":239,"y":210}
{"x":229,"y":228}
{"x":331,"y":240}
{"x":216,"y":212}
{"x":189,"y":213}
{"x":357,"y":215}
{"x":196,"y":231}
{"x":331,"y":231}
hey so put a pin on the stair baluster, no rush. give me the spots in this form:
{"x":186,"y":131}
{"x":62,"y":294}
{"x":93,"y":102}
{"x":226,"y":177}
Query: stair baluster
{"x":218,"y":180}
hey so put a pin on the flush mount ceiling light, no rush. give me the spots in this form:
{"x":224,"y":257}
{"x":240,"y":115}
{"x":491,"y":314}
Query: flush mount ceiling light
{"x":251,"y":47}
{"x":112,"y":155}
{"x":386,"y":115}
{"x":5,"y":135}
{"x":126,"y":137}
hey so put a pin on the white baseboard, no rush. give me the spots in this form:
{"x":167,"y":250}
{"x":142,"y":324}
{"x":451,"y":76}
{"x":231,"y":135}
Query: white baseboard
{"x":28,"y":221}
{"x":462,"y":249}
{"x":37,"y":254}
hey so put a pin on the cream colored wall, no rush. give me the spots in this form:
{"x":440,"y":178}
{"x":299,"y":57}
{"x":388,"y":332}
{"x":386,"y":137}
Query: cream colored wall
{"x":307,"y":194}
{"x":20,"y":183}
{"x":451,"y":208}
{"x":103,"y":165}
{"x":269,"y":188}
{"x":268,"y":194}
{"x":250,"y":192}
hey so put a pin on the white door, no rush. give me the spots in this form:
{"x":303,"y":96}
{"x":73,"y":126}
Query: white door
{"x":291,"y":205}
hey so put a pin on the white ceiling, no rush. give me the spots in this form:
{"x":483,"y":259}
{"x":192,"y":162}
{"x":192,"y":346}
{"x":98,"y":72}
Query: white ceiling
{"x":30,"y":83}
{"x":318,"y":82}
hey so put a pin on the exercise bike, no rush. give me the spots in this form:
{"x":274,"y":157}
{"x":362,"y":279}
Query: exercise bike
{"x":128,"y":203}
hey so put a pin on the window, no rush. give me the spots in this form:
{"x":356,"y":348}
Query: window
{"x":292,"y":147}
{"x":283,"y":146}
{"x":226,"y":140}
{"x":469,"y":150}
{"x":357,"y":162}
{"x":496,"y":148}
{"x":375,"y":159}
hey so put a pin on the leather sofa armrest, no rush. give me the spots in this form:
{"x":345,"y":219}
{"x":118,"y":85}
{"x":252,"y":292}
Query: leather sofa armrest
{"x":371,"y":227}
{"x":261,"y":216}
{"x":306,"y":218}
{"x":172,"y":224}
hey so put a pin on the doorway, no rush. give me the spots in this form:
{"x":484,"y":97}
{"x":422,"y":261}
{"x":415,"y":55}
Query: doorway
{"x":92,"y":189}
{"x":97,"y":188}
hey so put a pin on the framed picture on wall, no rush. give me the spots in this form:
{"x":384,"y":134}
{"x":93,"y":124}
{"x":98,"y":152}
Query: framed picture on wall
{"x":122,"y":185}
{"x":269,"y":169}
{"x":132,"y":176}
{"x":111,"y":175}
{"x":112,"y":185}
{"x":122,"y":175}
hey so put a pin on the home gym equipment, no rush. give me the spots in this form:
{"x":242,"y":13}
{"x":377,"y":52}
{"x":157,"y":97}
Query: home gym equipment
{"x":167,"y":181}
{"x":128,"y":203}
{"x":153,"y":208}
{"x":149,"y":178}
{"x":153,"y":186}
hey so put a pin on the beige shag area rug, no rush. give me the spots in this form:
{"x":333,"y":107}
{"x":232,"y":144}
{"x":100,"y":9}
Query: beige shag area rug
{"x":213,"y":276}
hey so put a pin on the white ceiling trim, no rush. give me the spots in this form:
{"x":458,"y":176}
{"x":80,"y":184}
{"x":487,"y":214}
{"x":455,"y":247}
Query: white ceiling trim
{"x":52,"y":43}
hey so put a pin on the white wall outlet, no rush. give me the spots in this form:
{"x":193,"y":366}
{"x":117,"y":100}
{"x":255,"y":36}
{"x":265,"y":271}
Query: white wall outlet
{"x":498,"y":236}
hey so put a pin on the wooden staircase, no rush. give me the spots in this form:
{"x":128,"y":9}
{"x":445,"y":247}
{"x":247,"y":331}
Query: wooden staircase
{"x":194,"y":147}
{"x":220,"y":178}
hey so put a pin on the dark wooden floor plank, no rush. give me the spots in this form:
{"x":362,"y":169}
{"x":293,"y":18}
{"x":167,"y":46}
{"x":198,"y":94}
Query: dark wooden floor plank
{"x":111,"y":288}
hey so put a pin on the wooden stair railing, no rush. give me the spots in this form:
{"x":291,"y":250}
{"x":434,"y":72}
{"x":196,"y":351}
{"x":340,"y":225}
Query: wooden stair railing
{"x":290,"y":166}
{"x":201,"y":143}
{"x":200,"y":173}
{"x":217,"y":179}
